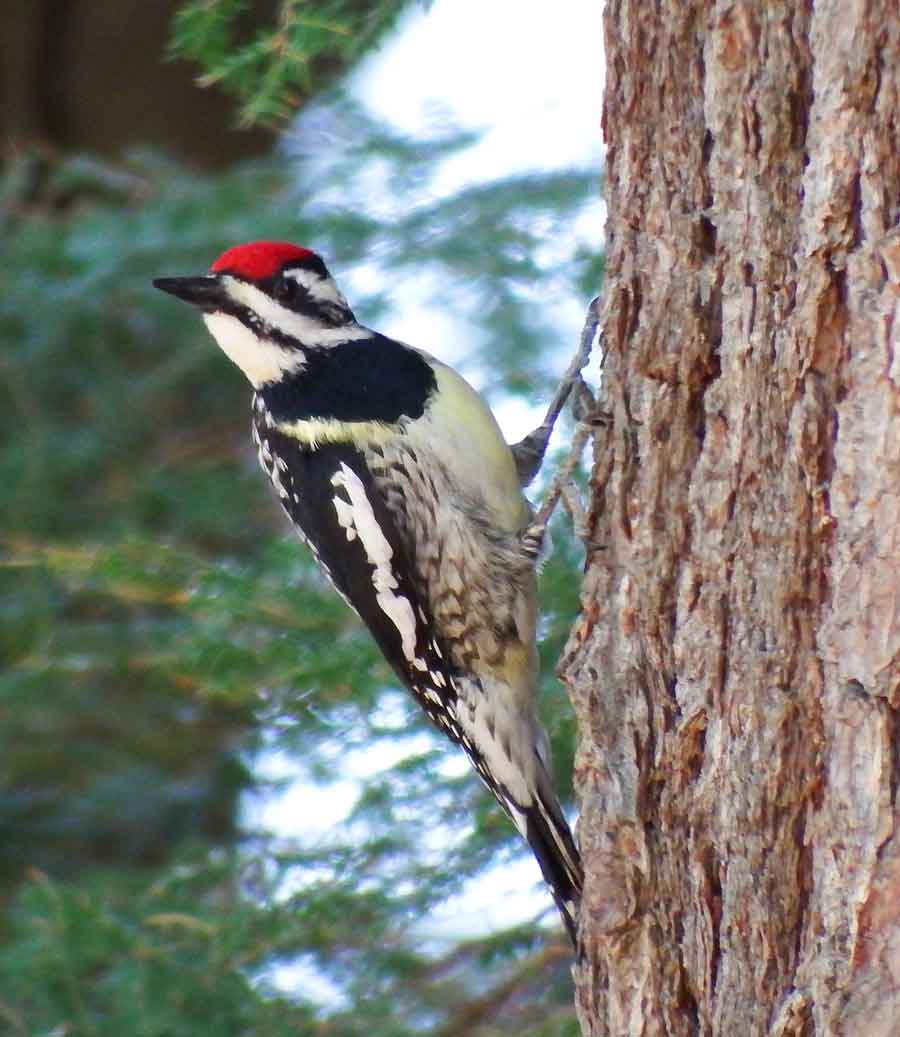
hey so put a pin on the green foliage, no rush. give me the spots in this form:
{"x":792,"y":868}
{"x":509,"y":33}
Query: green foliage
{"x":272,"y":72}
{"x":159,"y":628}
{"x":115,"y":956}
{"x":188,"y":955}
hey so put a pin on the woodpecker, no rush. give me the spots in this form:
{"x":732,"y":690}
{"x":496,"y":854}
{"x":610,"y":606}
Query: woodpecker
{"x":395,"y":473}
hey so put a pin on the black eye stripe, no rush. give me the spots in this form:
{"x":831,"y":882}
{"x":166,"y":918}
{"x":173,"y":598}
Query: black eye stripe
{"x":289,"y":289}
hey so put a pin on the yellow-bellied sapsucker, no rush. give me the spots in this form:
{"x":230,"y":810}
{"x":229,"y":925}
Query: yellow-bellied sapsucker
{"x":397,"y":476}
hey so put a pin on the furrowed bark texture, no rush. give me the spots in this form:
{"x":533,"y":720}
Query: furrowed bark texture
{"x":736,"y":667}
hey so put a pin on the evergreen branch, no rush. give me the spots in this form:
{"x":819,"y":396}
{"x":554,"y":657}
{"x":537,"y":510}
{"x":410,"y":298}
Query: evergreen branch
{"x":273,"y":72}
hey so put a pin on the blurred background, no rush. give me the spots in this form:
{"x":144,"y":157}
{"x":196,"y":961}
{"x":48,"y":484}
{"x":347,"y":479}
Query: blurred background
{"x":218,"y":813}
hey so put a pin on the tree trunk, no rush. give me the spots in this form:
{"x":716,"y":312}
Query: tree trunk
{"x":736,"y":667}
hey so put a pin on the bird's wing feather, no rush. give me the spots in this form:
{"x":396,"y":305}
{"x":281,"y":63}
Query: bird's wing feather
{"x":357,"y":543}
{"x":357,"y":540}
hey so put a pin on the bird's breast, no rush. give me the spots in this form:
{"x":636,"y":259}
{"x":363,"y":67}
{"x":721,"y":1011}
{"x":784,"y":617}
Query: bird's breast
{"x":463,"y":436}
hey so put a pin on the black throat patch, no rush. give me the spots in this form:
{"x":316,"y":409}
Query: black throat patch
{"x":372,"y":379}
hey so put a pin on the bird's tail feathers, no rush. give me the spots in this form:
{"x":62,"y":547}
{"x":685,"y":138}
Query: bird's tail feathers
{"x":551,"y":841}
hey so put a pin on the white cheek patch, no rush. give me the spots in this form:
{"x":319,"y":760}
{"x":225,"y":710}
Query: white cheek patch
{"x":307,"y":330}
{"x":260,"y":359}
{"x":358,"y":519}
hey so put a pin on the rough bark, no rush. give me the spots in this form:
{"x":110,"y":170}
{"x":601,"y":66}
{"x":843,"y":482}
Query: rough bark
{"x":736,"y":667}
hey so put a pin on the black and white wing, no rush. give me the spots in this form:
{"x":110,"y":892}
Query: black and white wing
{"x":357,"y":544}
{"x":335,"y":502}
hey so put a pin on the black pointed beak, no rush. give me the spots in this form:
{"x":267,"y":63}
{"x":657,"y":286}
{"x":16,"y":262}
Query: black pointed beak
{"x":206,"y":293}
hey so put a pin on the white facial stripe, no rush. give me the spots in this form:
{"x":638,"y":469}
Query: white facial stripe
{"x":306,"y":330}
{"x":358,"y":519}
{"x":323,"y":289}
{"x":260,"y":359}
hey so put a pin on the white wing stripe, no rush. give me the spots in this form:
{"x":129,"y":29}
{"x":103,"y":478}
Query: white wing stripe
{"x":358,"y":517}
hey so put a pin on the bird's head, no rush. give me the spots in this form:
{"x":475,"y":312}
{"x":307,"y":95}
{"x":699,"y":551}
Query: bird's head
{"x":267,"y":304}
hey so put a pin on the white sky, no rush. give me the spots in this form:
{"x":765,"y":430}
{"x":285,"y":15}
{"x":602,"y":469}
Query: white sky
{"x":530,"y":76}
{"x":530,"y":79}
{"x":528,"y":73}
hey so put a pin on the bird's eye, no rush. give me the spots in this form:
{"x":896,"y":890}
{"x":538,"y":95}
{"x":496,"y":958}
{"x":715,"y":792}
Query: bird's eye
{"x":289,"y":290}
